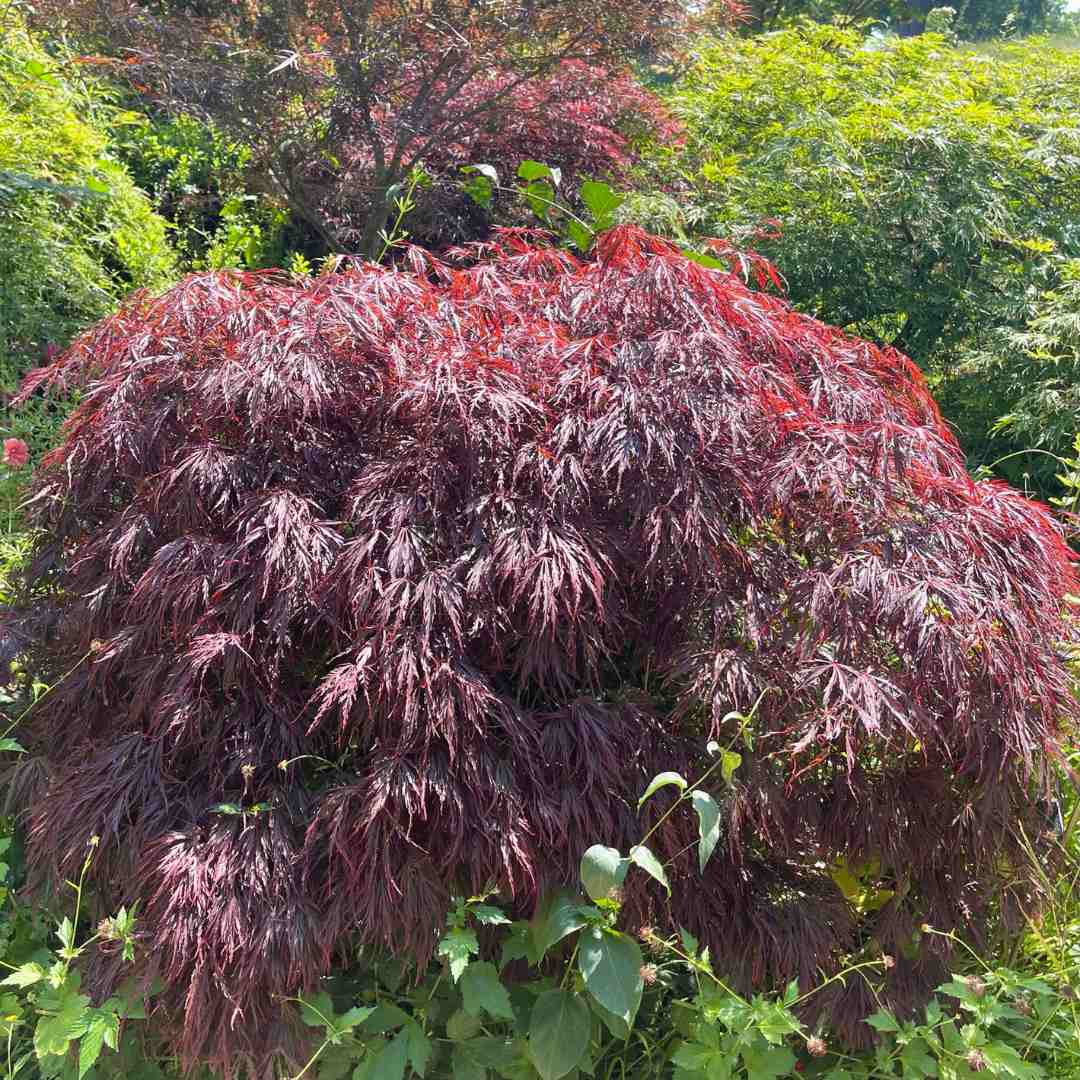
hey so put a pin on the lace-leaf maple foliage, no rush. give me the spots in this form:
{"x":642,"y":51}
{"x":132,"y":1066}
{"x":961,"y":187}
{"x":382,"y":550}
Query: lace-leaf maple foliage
{"x":477,"y":547}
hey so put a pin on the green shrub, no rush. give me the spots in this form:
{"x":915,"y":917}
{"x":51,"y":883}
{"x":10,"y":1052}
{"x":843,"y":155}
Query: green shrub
{"x":908,"y":190}
{"x":199,"y":181}
{"x":75,"y":232}
{"x":1016,"y":393}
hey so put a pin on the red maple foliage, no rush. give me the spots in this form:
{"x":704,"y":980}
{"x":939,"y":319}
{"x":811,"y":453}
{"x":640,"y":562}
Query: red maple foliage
{"x":498,"y":538}
{"x":582,"y":119}
{"x":338,"y":100}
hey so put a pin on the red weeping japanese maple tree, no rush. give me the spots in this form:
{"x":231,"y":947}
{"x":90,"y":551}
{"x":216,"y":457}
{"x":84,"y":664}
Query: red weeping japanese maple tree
{"x":437,"y":566}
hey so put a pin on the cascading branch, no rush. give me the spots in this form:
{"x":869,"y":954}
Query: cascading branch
{"x":372,"y":588}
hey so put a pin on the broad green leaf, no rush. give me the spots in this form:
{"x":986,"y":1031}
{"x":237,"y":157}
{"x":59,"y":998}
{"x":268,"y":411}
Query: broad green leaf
{"x":12,"y":745}
{"x":337,"y":1061}
{"x":562,"y":917}
{"x":916,"y":1061}
{"x":486,"y":170}
{"x":66,"y":1020}
{"x":581,"y":236}
{"x":603,"y":870}
{"x":664,"y":779}
{"x":708,"y":815}
{"x":392,"y":1059}
{"x":558,"y":1033}
{"x":1005,"y":1061}
{"x":25,"y":975}
{"x":317,"y":1010}
{"x":775,"y":1023}
{"x":520,"y":944}
{"x":768,"y":1062}
{"x":610,"y":963}
{"x":481,"y":990}
{"x":643,"y":857}
{"x":99,"y":187}
{"x":479,"y":189}
{"x":461,"y":1026}
{"x":700,"y":1060}
{"x":458,"y":945}
{"x":464,"y":1066}
{"x":535,"y":170}
{"x":729,"y":762}
{"x":351,"y":1017}
{"x":419,"y":1047}
{"x":601,"y":201}
{"x":540,"y":196}
{"x":384,"y":1017}
{"x":615,"y":1024}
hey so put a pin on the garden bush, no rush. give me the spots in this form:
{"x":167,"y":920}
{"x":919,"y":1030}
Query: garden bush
{"x":75,"y":232}
{"x":911,"y":191}
{"x":199,"y":181}
{"x":362,"y":591}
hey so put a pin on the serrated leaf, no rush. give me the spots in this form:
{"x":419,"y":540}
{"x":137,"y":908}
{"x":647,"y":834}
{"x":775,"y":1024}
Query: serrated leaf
{"x":488,"y":915}
{"x":708,"y":815}
{"x":558,"y":1033}
{"x":603,"y":870}
{"x":56,"y":1029}
{"x":643,"y":857}
{"x":66,"y":932}
{"x":458,"y":945}
{"x":664,"y":779}
{"x":883,"y":1021}
{"x":768,"y":1063}
{"x":25,"y":975}
{"x":350,"y":1018}
{"x":1005,"y":1061}
{"x":481,"y":990}
{"x":104,"y":1029}
{"x":384,"y":1017}
{"x":610,"y":963}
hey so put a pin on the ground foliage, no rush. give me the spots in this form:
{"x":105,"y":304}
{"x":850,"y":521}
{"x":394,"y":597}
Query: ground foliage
{"x":358,"y":591}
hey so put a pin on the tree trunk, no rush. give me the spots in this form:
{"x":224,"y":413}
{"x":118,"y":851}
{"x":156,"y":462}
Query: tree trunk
{"x":371,"y":243}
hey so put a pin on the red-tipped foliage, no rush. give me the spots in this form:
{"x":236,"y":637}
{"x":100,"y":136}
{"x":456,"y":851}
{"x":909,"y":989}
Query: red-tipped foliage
{"x":485,"y":544}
